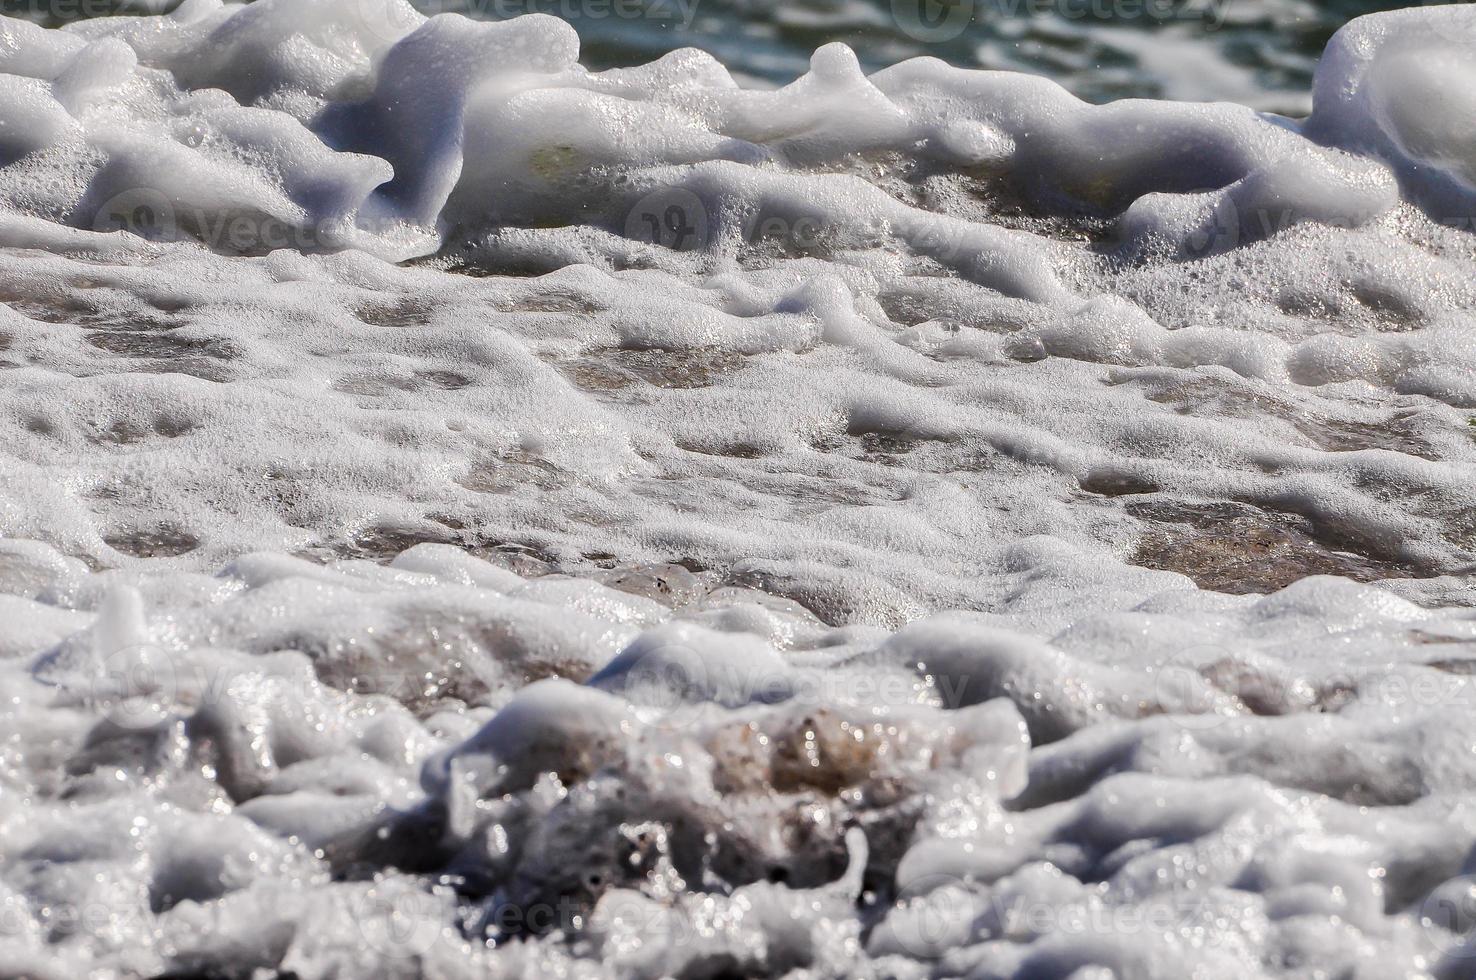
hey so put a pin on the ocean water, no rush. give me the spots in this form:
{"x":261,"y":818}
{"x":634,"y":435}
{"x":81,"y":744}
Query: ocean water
{"x":486,"y":496}
{"x":1255,"y":52}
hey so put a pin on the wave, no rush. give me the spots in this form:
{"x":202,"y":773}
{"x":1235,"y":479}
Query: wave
{"x":466,"y":513}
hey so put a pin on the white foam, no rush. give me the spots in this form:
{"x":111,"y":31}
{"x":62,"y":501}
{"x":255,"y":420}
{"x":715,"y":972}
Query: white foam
{"x":764,"y":532}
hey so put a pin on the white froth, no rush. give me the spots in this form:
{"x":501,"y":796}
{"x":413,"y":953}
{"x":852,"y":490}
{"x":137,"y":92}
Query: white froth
{"x":469,"y":514}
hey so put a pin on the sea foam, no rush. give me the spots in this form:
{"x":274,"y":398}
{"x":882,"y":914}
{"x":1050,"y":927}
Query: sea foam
{"x":466,"y":513}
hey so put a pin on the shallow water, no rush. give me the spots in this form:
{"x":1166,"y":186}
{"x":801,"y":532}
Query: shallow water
{"x":465,"y":513}
{"x":1255,"y":52}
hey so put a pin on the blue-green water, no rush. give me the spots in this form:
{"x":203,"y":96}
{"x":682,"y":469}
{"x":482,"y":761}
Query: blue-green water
{"x":1260,"y":52}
